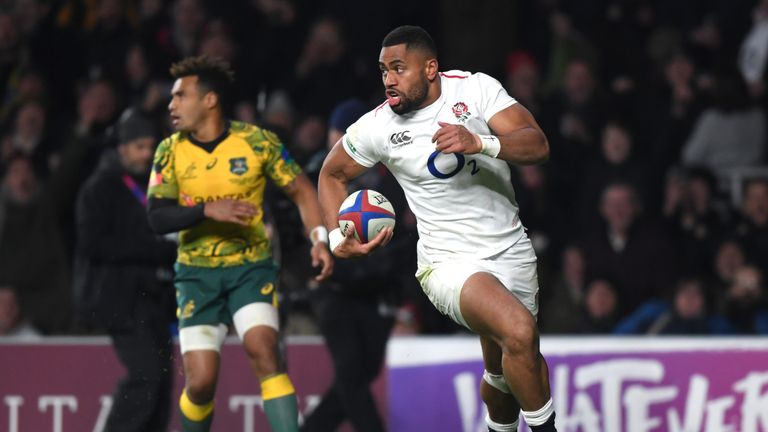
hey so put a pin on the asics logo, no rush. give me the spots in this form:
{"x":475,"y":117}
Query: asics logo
{"x":400,"y":138}
{"x":211,"y":164}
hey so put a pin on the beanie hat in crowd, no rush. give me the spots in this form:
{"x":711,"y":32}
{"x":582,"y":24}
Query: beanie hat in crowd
{"x":133,"y":125}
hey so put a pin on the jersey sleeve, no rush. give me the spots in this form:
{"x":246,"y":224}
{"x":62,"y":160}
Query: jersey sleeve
{"x":279,"y":166}
{"x":162,"y":179}
{"x":359,"y":144}
{"x":493,"y":96}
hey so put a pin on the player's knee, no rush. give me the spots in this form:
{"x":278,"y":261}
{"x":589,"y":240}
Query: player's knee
{"x":201,"y":387}
{"x":261,"y":347}
{"x":520,"y":337}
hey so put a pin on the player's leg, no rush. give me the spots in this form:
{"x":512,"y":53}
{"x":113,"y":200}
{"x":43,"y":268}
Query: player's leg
{"x":201,"y":368}
{"x":201,"y":335}
{"x":279,"y":396}
{"x":503,"y":409}
{"x":252,"y":299}
{"x":491,"y":310}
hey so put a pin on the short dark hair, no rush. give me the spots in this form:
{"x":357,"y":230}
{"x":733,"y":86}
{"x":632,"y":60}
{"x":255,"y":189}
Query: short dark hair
{"x":412,"y":37}
{"x":213,"y":74}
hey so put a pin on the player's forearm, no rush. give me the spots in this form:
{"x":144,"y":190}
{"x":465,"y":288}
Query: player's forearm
{"x":526,"y":146}
{"x":331,"y":189}
{"x":166,"y":216}
{"x":303,"y":194}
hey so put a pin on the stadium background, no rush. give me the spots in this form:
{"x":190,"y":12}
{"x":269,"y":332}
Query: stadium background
{"x":654,"y":110}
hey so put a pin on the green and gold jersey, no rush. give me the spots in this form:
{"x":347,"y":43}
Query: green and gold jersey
{"x":236,"y":168}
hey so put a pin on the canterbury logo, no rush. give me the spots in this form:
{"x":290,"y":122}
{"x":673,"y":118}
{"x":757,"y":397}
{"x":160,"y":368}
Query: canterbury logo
{"x":400,"y":138}
{"x":212,"y":163}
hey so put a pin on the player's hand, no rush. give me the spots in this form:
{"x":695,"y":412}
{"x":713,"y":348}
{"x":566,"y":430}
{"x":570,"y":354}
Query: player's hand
{"x":322,"y":257}
{"x":350,"y":247}
{"x":454,"y":138}
{"x":229,"y":210}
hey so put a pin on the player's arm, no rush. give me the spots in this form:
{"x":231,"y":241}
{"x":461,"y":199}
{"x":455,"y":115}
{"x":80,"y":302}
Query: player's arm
{"x":516,"y":137}
{"x":164,"y":212}
{"x":302,"y":193}
{"x":338,"y":169}
{"x":166,"y":215}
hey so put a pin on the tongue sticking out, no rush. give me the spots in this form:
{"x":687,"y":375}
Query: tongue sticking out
{"x":393,"y":99}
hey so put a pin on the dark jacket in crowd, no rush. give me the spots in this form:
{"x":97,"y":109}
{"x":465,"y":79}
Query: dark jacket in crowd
{"x":119,"y":258}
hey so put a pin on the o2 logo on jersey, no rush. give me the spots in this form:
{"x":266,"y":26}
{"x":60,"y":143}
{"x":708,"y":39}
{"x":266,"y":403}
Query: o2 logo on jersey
{"x":444,"y":172}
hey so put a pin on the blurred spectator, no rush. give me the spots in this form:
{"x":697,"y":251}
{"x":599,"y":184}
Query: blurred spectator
{"x":671,"y":103}
{"x":753,"y":227}
{"x":308,"y":140}
{"x":615,"y":161}
{"x":564,"y":304}
{"x":686,"y":314}
{"x":693,"y":219}
{"x":123,"y":278}
{"x":575,"y":111}
{"x":323,"y":75}
{"x":107,"y":41}
{"x":629,"y":250}
{"x":572,"y":117}
{"x":13,"y":323}
{"x":539,"y":210}
{"x":96,"y":111}
{"x":355,"y":313}
{"x":746,"y":306}
{"x":31,"y":239}
{"x":753,"y":54}
{"x":188,"y":18}
{"x":137,"y":74}
{"x":30,"y":135}
{"x":523,"y":80}
{"x":728,"y":259}
{"x":732,"y":132}
{"x":599,"y":310}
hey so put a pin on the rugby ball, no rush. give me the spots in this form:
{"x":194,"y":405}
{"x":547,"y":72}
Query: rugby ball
{"x":365,"y":213}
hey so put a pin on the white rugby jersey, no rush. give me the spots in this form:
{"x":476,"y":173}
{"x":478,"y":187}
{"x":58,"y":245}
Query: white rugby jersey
{"x":464,"y":204}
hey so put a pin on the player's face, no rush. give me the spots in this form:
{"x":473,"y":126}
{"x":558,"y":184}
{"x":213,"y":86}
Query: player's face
{"x":404,"y":73}
{"x":187,"y":107}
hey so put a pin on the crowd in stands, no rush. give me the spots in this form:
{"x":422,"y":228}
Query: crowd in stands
{"x":651,"y":216}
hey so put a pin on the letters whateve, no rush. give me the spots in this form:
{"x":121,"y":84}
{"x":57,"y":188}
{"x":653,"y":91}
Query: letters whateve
{"x":628,"y":395}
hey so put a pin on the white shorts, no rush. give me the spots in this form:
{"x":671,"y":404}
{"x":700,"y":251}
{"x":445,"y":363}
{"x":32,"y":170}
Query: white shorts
{"x":514,"y":267}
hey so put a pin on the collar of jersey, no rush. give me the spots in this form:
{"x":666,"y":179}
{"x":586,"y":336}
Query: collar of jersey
{"x":429,"y":111}
{"x":210,"y":146}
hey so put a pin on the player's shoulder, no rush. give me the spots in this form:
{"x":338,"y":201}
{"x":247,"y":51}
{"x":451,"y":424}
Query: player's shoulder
{"x":169,"y":143}
{"x":380,"y":113}
{"x":456,"y":75}
{"x":365,"y":127}
{"x":256,"y":136}
{"x":466,"y":78}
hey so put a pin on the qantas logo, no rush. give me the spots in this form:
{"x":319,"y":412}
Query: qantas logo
{"x":399,"y":139}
